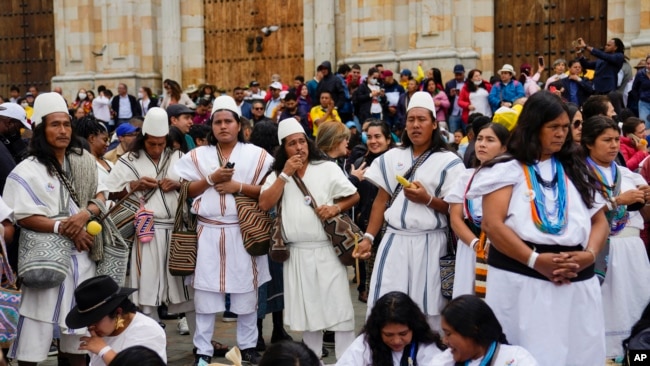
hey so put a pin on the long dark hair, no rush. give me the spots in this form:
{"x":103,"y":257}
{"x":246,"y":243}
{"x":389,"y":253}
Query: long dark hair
{"x":437,"y":142}
{"x":396,"y":307}
{"x":43,"y":152}
{"x":630,"y":124}
{"x":289,"y":353}
{"x":178,"y":137}
{"x":525,"y":146}
{"x":501,"y":133}
{"x":385,"y":130}
{"x":594,"y":127}
{"x":470,"y":84}
{"x":265,"y":135}
{"x":281,"y":156}
{"x":472,"y":318}
{"x":212,"y":140}
{"x":174,"y":89}
{"x":595,"y":105}
{"x":138,"y":145}
{"x":572,"y":109}
{"x":138,"y":356}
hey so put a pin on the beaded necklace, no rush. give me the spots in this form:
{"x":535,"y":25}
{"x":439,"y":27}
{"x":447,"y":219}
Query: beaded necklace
{"x":618,"y":217}
{"x":551,"y":220}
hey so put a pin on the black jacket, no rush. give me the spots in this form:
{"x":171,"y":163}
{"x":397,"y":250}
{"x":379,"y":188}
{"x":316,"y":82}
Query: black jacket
{"x":332,"y":84}
{"x":585,"y":89}
{"x":136,"y":111}
{"x":362,"y":102}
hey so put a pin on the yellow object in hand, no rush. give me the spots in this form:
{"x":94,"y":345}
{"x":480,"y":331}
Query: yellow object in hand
{"x":93,"y":228}
{"x":643,"y":142}
{"x":401,"y":180}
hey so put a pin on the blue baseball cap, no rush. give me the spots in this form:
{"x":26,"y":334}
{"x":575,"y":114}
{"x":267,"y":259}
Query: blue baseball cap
{"x":125,"y":129}
{"x":350,"y":124}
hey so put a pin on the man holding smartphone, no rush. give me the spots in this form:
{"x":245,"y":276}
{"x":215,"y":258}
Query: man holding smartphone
{"x":452,"y":89}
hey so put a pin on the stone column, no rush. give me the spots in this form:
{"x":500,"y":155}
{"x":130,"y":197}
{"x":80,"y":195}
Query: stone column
{"x":324,"y":32}
{"x":172,"y":65}
{"x":640,"y":46}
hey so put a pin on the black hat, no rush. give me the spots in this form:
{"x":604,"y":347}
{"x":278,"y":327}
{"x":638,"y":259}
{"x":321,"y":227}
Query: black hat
{"x":95,"y":297}
{"x":176,"y":110}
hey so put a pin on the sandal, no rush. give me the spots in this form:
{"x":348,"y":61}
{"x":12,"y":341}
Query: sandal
{"x":220,"y":349}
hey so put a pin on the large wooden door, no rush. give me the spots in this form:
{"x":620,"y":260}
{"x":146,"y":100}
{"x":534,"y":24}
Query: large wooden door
{"x":26,"y":44}
{"x":525,"y":30}
{"x":237,"y":51}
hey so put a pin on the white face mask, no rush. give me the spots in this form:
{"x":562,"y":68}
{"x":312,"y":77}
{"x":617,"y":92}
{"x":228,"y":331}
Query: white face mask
{"x":139,"y":95}
{"x":478,"y":82}
{"x":372,"y":81}
{"x":24,"y":105}
{"x":82,"y":95}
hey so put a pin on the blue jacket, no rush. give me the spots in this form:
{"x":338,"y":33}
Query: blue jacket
{"x":505,"y":93}
{"x":606,"y":69}
{"x":641,"y":86}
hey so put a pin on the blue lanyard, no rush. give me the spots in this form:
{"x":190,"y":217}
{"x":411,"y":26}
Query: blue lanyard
{"x":488,"y":356}
{"x":412,"y":354}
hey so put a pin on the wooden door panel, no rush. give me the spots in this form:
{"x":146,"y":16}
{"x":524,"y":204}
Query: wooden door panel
{"x":230,"y":26}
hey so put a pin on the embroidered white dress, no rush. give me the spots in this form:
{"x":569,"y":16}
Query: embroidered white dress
{"x":625,"y":290}
{"x":507,"y":356}
{"x":31,"y":191}
{"x":316,"y":286}
{"x":531,"y":309}
{"x":149,"y":272}
{"x":408,"y":258}
{"x":465,"y":271}
{"x":359,"y":354}
{"x":223,"y":265}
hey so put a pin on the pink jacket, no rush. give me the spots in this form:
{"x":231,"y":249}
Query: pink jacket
{"x":441,"y":111}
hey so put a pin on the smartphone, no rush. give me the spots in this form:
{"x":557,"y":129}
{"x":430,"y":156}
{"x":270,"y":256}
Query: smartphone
{"x":230,"y":165}
{"x":540,"y":59}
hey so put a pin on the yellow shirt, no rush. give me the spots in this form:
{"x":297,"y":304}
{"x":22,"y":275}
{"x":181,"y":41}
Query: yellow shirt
{"x":319,"y":112}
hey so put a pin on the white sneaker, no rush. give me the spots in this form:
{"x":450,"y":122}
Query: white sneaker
{"x":183,"y":329}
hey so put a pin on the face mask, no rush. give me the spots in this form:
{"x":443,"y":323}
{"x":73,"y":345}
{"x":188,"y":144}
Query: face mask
{"x":82,"y":95}
{"x":24,"y":105}
{"x":207,"y":96}
{"x":139,"y":95}
{"x":372,"y":81}
{"x":478,"y":82}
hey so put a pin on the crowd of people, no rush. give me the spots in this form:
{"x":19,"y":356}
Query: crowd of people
{"x":540,"y":189}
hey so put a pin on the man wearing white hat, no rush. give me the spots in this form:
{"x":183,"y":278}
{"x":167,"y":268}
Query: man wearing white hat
{"x":408,"y":256}
{"x":37,"y":190}
{"x":274,"y":102}
{"x":149,"y":166}
{"x":507,"y":90}
{"x":12,"y":149}
{"x":316,"y":288}
{"x":226,"y":167}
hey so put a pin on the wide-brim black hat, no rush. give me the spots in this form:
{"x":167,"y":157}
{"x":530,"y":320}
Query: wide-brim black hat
{"x":95,"y":297}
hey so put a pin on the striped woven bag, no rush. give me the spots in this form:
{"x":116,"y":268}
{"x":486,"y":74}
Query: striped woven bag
{"x":9,"y":300}
{"x":144,"y":228}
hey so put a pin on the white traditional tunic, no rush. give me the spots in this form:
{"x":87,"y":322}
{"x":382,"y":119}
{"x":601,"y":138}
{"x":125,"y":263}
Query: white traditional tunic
{"x":316,"y":286}
{"x":408,"y":259}
{"x":149,"y":272}
{"x":142,"y":331}
{"x":222,"y":263}
{"x":359,"y":354}
{"x":31,"y":191}
{"x":507,"y":356}
{"x":531,"y":309}
{"x":625,"y":290}
{"x":465,"y":273}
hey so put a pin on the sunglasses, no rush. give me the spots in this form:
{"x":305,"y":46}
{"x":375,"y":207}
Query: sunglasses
{"x":258,"y":109}
{"x":577,"y":123}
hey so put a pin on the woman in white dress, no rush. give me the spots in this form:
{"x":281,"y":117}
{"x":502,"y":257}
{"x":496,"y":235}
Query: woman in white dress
{"x":473,"y":98}
{"x":226,"y":167}
{"x":625,"y":290}
{"x":541,"y":283}
{"x":316,"y":286}
{"x":465,"y":215}
{"x":475,"y":338}
{"x":396,"y":333}
{"x":113,"y":321}
{"x":416,"y":231}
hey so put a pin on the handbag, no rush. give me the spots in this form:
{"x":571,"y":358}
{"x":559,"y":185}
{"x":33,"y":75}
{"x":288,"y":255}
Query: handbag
{"x":341,"y":230}
{"x":9,"y":300}
{"x":278,"y":251}
{"x":255,"y":225}
{"x":183,"y":245}
{"x":43,"y":258}
{"x":448,"y":265}
{"x":144,"y":226}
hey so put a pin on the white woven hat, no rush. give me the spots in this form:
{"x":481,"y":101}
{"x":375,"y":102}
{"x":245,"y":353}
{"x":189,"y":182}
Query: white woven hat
{"x":422,"y":100}
{"x":288,"y":127}
{"x":15,"y":111}
{"x":48,"y":103}
{"x":225,"y":102}
{"x":507,"y":68}
{"x":155,"y":123}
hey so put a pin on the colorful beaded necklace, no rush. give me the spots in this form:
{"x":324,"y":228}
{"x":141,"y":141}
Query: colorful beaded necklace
{"x":618,"y":217}
{"x":552,"y":219}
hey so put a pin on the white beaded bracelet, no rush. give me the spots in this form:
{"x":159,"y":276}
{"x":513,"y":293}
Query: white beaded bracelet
{"x":103,"y":351}
{"x":208,"y":180}
{"x":285,"y":177}
{"x":56,"y":227}
{"x":473,"y":243}
{"x":369,"y":237}
{"x":532,"y":259}
{"x":430,"y":200}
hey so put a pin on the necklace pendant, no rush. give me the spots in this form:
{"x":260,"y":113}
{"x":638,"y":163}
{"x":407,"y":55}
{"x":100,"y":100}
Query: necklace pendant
{"x":530,"y":195}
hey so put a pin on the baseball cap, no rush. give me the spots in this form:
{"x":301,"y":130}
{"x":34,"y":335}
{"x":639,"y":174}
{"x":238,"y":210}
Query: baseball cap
{"x":176,"y":110}
{"x":15,"y":111}
{"x":406,"y":72}
{"x":459,"y":69}
{"x":386,"y":73}
{"x":255,"y":83}
{"x":125,"y":129}
{"x":276,"y":85}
